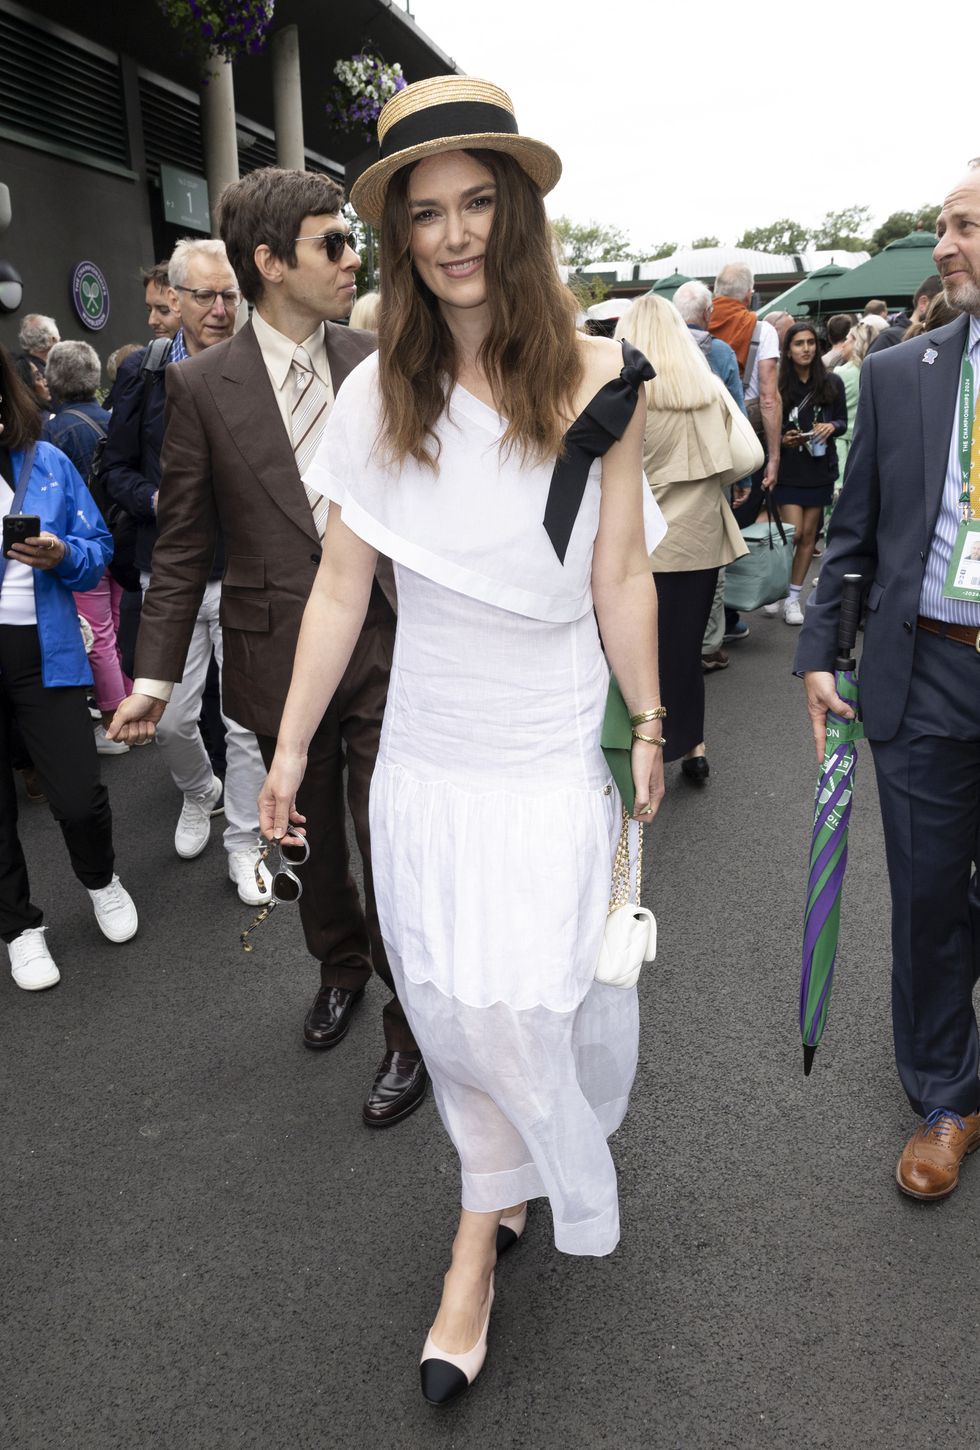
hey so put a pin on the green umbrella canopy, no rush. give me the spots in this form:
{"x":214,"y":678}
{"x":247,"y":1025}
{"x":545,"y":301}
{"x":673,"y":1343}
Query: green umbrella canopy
{"x":667,"y":286}
{"x":894,"y":274}
{"x":805,"y":296}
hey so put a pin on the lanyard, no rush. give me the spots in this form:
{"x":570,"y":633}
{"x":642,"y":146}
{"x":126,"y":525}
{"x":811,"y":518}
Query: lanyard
{"x":970,"y":495}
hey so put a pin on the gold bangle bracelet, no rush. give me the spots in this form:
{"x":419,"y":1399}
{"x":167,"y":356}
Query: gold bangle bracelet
{"x":660,"y":713}
{"x":660,"y":740}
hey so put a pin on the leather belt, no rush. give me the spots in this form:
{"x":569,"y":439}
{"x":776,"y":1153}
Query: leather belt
{"x":959,"y":633}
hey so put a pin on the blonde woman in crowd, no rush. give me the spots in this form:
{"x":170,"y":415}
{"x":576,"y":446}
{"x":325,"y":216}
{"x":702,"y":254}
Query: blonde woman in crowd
{"x":856,"y":345}
{"x":364,"y":313}
{"x":687,"y":458}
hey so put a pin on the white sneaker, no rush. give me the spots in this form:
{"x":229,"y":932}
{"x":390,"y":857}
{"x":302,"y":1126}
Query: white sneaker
{"x":242,"y":867}
{"x":194,"y":826}
{"x":31,"y":964}
{"x":773,"y":609}
{"x":114,"y":911}
{"x":105,"y":746}
{"x":792,"y":612}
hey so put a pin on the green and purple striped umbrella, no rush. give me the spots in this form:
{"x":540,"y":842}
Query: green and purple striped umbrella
{"x":828,"y":848}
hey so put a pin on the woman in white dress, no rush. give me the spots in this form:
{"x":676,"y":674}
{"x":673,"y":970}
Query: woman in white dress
{"x":493,"y":816}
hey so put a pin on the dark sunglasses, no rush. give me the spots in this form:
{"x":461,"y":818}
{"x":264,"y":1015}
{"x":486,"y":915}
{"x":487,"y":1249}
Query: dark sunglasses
{"x":334,"y":243}
{"x":278,"y":858}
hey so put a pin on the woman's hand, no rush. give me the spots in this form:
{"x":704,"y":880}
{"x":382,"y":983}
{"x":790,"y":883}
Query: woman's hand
{"x":823,"y":431}
{"x":648,"y":778}
{"x":793,"y":438}
{"x":277,"y":798}
{"x":45,"y":551}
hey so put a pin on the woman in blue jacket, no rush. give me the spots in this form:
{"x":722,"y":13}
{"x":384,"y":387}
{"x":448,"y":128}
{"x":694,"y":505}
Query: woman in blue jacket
{"x":43,"y":678}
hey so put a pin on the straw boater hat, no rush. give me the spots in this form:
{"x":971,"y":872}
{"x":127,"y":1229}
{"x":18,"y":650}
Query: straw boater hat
{"x":447,"y":113}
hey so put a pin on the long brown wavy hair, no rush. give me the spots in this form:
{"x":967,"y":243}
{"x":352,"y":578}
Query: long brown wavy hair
{"x":19,"y":413}
{"x":530,"y":355}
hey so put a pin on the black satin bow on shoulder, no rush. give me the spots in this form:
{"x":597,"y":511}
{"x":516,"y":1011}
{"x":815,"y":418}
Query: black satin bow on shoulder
{"x":593,"y":433}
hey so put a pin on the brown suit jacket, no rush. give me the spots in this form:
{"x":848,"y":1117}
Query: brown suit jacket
{"x":228,"y":460}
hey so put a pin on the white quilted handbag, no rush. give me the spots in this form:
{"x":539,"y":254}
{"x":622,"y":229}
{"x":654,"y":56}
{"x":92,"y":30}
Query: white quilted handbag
{"x":630,"y":938}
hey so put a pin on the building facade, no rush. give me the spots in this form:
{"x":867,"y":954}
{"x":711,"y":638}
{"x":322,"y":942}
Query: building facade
{"x":106,"y":159}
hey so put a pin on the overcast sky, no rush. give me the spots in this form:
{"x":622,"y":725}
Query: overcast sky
{"x":786,"y":111}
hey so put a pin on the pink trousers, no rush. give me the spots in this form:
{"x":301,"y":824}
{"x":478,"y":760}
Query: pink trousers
{"x":100,"y":607}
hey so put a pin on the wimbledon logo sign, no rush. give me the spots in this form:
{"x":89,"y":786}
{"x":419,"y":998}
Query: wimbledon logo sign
{"x":90,"y":295}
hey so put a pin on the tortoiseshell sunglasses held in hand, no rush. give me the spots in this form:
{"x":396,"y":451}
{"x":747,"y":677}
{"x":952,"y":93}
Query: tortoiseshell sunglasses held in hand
{"x":278,"y":858}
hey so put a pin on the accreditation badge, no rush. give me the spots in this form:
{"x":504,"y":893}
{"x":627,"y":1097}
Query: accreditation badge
{"x":963,"y":574}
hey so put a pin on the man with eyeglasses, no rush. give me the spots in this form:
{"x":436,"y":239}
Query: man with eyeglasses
{"x":204,"y":296}
{"x":244,"y":422}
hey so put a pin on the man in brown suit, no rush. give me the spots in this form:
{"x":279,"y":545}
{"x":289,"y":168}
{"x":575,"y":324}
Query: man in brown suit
{"x":243,"y":422}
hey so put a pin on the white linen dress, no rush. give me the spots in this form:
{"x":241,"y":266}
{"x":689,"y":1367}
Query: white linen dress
{"x":494,"y":819}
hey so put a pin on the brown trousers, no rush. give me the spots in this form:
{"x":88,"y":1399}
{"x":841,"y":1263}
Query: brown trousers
{"x":344,"y":937}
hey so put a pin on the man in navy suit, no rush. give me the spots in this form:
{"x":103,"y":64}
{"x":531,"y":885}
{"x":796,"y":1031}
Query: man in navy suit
{"x":909,"y":512}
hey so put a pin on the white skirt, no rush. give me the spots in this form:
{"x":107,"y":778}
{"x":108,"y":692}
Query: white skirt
{"x":493,"y":829}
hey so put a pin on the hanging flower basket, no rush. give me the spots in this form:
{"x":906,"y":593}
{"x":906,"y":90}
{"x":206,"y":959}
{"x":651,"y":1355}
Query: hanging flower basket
{"x":364,"y":84}
{"x":230,"y":28}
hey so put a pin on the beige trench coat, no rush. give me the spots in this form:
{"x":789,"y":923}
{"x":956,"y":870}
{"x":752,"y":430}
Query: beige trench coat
{"x":686,"y":455}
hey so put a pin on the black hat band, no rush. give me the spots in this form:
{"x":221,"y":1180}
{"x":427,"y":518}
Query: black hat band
{"x":452,"y":118}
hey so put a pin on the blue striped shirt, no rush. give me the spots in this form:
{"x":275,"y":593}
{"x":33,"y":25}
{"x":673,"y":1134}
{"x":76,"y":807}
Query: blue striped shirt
{"x":931,"y":601}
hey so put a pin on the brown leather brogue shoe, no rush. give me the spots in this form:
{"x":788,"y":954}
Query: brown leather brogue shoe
{"x":329,"y":1018}
{"x":930,"y":1164}
{"x":398,"y":1089}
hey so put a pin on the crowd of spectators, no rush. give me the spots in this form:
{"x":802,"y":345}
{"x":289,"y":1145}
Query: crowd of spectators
{"x":797,"y":381}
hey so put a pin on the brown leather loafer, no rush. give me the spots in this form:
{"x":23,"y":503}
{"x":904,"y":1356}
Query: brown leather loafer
{"x":930,"y":1164}
{"x":398,"y":1089}
{"x":329,"y":1018}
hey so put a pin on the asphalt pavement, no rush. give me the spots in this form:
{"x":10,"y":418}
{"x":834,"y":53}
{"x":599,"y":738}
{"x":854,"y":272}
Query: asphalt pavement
{"x":203,"y":1247}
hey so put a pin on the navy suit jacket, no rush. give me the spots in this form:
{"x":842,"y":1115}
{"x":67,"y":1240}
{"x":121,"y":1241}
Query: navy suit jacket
{"x":883,"y":523}
{"x":131,"y":459}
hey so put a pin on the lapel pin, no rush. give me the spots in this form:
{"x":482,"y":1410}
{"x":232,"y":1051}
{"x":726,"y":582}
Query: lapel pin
{"x":930,"y":355}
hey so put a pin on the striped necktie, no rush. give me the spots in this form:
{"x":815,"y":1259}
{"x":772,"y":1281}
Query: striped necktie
{"x":308,"y":417}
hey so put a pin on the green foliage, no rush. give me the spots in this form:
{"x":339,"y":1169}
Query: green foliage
{"x":900,"y":223}
{"x":591,"y":242}
{"x":588,"y":289}
{"x":845,"y":230}
{"x":588,"y":242}
{"x":779,"y":236}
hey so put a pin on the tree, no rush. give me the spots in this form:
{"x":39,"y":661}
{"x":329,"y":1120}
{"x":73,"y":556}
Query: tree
{"x":588,"y":289}
{"x":900,"y":223}
{"x":656,"y":251}
{"x":779,"y":236}
{"x":705,"y":242}
{"x":591,"y":242}
{"x":844,"y":230}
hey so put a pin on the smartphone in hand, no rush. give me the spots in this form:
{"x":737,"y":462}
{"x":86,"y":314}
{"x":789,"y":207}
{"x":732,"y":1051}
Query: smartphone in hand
{"x":17,"y":528}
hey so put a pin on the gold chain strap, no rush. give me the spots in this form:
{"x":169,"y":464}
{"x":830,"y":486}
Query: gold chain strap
{"x":620,"y":894}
